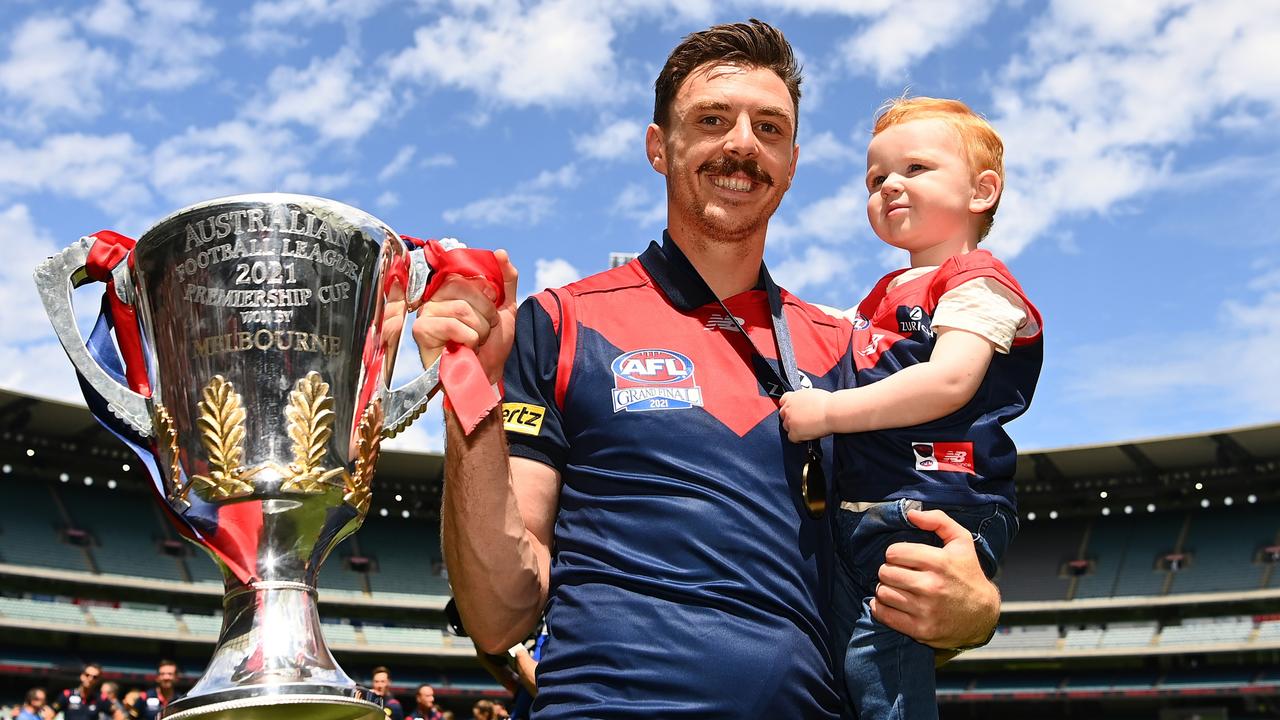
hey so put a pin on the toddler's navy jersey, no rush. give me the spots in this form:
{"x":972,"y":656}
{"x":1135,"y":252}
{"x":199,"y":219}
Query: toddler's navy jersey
{"x":687,"y":578}
{"x":965,"y":458}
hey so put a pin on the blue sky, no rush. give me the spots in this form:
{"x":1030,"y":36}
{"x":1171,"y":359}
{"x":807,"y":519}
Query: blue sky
{"x":1141,"y":155}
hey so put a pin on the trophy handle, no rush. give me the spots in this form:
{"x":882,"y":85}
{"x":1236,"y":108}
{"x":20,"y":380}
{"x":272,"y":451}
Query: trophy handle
{"x":404,"y":404}
{"x":55,"y":279}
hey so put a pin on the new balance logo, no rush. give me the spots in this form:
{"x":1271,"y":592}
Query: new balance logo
{"x":720,"y":321}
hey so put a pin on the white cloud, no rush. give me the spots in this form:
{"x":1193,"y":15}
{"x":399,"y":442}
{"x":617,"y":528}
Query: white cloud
{"x":170,"y":45}
{"x":438,"y":160}
{"x":837,"y":218}
{"x":1094,"y":113}
{"x":518,"y":208}
{"x":614,"y":140}
{"x":552,"y":273}
{"x":549,"y":54}
{"x":327,"y":96}
{"x":813,"y":268}
{"x":826,"y":149}
{"x":636,"y":204}
{"x":397,"y":164}
{"x":896,"y":37}
{"x":528,"y":204}
{"x":103,"y":169}
{"x":272,"y":24}
{"x":232,"y":158}
{"x":51,"y":70}
{"x":388,"y":199}
{"x":1175,"y":376}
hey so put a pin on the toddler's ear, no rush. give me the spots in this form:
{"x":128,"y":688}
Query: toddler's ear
{"x":986,"y":191}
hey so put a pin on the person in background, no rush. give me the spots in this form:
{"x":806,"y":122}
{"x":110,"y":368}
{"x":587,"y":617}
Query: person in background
{"x":149,"y":705}
{"x":111,"y":695}
{"x":382,"y":687}
{"x":84,"y":702}
{"x":425,"y":707}
{"x":33,"y":707}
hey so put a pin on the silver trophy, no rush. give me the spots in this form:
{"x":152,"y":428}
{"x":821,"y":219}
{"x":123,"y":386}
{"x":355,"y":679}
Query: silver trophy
{"x":269,"y":326}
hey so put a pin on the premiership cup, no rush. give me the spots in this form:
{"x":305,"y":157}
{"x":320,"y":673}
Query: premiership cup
{"x":260,"y":393}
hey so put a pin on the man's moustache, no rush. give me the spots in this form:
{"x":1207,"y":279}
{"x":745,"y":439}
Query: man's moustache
{"x":730,"y":166}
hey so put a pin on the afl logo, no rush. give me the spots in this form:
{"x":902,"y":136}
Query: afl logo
{"x":653,"y":367}
{"x":860,"y":322}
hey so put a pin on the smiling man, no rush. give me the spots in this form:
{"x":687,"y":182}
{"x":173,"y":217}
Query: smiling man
{"x":655,"y":510}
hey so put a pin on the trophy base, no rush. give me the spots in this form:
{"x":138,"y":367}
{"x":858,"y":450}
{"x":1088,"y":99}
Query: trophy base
{"x":279,"y":702}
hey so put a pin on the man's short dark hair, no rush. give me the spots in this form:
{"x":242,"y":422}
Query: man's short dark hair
{"x":752,"y":44}
{"x":380,"y":669}
{"x":166,"y":662}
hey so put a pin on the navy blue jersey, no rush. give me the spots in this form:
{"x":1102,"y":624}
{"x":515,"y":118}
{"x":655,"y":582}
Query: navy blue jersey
{"x":687,"y":579}
{"x":75,"y":706}
{"x":965,"y":458}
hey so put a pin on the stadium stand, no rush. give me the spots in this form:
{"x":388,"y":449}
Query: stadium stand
{"x":1099,"y":621}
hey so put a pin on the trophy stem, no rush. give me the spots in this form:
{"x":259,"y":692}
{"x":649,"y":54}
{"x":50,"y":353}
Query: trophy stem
{"x":271,"y":662}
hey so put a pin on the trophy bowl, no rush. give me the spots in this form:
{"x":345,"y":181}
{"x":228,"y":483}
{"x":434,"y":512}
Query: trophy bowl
{"x":258,"y":334}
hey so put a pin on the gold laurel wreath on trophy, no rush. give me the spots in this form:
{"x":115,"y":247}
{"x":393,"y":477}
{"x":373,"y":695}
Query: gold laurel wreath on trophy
{"x":310,"y":418}
{"x":221,"y":424}
{"x":368,"y":442}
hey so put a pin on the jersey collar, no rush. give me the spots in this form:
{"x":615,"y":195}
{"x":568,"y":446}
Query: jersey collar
{"x":676,"y":276}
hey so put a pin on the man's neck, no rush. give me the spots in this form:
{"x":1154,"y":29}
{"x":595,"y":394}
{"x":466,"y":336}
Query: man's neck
{"x":727,"y":267}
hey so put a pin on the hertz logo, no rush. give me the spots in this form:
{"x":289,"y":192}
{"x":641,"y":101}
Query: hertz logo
{"x":523,"y":418}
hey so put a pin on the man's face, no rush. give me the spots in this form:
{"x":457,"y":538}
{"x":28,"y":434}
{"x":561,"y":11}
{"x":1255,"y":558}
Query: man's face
{"x":381,"y":682}
{"x":89,"y":678}
{"x":729,"y":153}
{"x":37,"y":702}
{"x":165,"y":675}
{"x":426,"y":696}
{"x":919,"y":187}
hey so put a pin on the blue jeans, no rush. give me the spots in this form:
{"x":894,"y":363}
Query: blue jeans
{"x":887,"y":675}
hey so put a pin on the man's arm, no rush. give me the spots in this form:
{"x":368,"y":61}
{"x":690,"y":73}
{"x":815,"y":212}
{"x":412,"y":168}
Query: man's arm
{"x":917,"y":394}
{"x":938,"y":596}
{"x":497,"y":520}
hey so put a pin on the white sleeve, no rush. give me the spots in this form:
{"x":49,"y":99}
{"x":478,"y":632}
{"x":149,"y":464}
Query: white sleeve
{"x":984,"y":306}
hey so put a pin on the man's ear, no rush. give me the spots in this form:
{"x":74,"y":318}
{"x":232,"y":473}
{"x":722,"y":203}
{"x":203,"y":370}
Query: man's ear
{"x":986,"y":191}
{"x":655,"y":146}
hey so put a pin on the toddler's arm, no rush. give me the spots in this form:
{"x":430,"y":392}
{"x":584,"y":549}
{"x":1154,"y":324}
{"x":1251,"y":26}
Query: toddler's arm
{"x":914,"y":395}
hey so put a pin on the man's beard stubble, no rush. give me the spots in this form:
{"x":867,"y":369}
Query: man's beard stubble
{"x":725,"y":229}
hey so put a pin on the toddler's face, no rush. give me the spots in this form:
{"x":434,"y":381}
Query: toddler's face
{"x":920,"y":187}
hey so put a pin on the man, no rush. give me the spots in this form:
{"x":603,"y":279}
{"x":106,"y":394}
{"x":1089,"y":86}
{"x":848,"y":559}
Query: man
{"x":33,"y":707}
{"x":111,"y":697}
{"x":382,"y":687}
{"x":150,"y":705}
{"x":84,"y":702}
{"x":689,"y":579}
{"x":426,"y":708}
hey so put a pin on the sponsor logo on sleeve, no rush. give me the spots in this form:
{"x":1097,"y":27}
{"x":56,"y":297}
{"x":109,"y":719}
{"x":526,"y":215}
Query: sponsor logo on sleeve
{"x":654,"y":379}
{"x":523,"y":418}
{"x":944,"y":456}
{"x":860,"y":322}
{"x":912,"y":320}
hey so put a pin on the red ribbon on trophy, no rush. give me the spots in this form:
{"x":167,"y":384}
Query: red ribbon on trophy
{"x":109,"y":251}
{"x":466,"y":386}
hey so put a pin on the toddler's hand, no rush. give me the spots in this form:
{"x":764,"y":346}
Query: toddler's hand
{"x":804,"y":414}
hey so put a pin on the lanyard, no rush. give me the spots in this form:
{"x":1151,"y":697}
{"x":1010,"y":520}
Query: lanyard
{"x":813,"y":482}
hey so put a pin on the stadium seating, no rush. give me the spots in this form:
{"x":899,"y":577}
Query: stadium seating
{"x":1031,"y":569}
{"x":1208,"y":631}
{"x":202,"y":625}
{"x":29,"y":528}
{"x":132,"y":619}
{"x":1125,"y":551}
{"x":1028,"y":637}
{"x":1083,"y":638}
{"x":406,"y":557}
{"x":1129,"y":635}
{"x":406,"y":636}
{"x":39,"y":611}
{"x":1222,"y":542}
{"x":127,"y":530}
